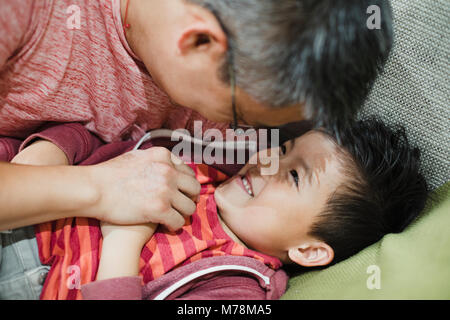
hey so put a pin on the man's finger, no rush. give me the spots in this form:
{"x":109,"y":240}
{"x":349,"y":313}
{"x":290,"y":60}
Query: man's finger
{"x":181,"y":166}
{"x":188,"y":185}
{"x":183,"y":204}
{"x":173,"y":220}
{"x":159,"y":154}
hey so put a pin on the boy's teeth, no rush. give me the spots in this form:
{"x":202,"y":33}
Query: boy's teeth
{"x":247,"y":186}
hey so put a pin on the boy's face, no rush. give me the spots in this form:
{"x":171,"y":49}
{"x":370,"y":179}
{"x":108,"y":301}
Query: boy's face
{"x":273,"y":214}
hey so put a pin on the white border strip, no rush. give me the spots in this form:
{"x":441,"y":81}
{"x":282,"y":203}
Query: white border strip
{"x":200,"y":273}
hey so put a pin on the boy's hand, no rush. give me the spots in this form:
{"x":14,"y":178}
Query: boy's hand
{"x":41,"y":153}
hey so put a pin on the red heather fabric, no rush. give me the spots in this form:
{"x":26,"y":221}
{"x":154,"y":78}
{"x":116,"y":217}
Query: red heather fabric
{"x":51,"y":72}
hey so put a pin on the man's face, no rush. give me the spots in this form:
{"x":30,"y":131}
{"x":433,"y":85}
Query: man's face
{"x":274,"y":213}
{"x":183,"y":46}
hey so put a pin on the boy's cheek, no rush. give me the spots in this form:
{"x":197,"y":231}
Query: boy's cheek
{"x":231,"y":195}
{"x":257,"y":232}
{"x":259,"y":218}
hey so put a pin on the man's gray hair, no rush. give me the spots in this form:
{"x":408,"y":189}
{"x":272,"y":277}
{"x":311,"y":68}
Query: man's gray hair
{"x":317,"y":52}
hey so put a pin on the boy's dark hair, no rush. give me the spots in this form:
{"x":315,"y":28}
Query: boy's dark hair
{"x":318,"y":52}
{"x":384,"y":191}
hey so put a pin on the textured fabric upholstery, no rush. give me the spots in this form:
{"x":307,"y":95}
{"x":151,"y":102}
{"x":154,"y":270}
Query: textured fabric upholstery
{"x":415,"y":88}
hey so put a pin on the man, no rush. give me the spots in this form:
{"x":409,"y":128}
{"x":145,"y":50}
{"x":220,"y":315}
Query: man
{"x":123,"y":67}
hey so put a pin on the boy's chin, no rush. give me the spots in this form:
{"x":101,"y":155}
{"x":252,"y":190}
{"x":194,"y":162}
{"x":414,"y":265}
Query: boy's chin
{"x":225,"y":200}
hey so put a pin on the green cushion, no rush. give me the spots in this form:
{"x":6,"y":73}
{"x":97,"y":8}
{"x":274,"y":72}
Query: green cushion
{"x":414,"y":264}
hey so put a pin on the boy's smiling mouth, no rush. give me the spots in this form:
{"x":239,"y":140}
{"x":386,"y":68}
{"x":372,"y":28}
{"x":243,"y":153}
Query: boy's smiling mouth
{"x":246,"y":184}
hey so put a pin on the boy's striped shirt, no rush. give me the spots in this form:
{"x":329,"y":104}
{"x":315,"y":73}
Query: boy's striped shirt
{"x":73,"y":246}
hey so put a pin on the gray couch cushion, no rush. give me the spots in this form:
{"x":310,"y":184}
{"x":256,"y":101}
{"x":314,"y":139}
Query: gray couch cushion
{"x":414,"y":90}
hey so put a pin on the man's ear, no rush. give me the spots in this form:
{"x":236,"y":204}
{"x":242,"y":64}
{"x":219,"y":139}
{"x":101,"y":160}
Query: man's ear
{"x":312,"y":254}
{"x":203,"y":32}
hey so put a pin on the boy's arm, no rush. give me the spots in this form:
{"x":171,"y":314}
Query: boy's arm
{"x":41,"y":153}
{"x":62,"y":144}
{"x":117,"y":276}
{"x":121,"y":249}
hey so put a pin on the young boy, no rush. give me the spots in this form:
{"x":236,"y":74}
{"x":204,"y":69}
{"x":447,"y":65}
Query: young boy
{"x":326,"y":202}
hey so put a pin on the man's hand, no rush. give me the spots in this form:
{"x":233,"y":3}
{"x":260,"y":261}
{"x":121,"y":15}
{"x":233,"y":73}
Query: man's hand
{"x":138,"y":187}
{"x":144,"y":186}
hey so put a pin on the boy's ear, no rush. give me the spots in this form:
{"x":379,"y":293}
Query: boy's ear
{"x":312,"y":254}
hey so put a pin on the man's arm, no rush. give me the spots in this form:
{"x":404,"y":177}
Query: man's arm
{"x":137,"y":187}
{"x":56,"y":145}
{"x":31,"y":194}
